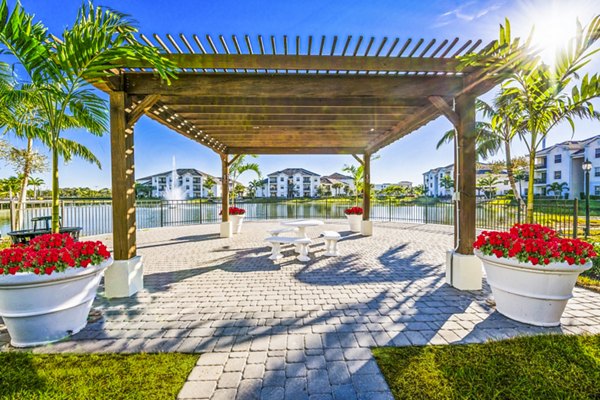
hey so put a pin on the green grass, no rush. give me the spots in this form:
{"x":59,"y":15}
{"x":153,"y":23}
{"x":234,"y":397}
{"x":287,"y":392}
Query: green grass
{"x":540,"y":367}
{"x":93,"y":376}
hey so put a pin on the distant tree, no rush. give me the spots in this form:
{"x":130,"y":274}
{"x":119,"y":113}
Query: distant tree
{"x":238,"y":167}
{"x":447,"y":183}
{"x":337,"y":186}
{"x":253,"y":186}
{"x":36,"y":183}
{"x":143,"y":191}
{"x":557,"y":188}
{"x":488,"y":183}
{"x":419,"y":190}
{"x":208,"y":184}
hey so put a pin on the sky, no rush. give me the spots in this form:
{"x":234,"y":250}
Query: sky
{"x":406,"y":159}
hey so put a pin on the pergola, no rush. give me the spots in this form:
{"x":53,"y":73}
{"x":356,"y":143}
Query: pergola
{"x":285,"y":95}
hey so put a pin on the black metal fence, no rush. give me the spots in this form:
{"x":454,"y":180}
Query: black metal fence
{"x":95,"y":215}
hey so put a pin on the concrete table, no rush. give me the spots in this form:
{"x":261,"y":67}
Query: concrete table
{"x":302,"y":224}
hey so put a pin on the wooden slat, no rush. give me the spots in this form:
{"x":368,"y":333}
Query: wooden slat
{"x":140,"y":108}
{"x":268,"y":103}
{"x":445,"y":108}
{"x":307,"y":111}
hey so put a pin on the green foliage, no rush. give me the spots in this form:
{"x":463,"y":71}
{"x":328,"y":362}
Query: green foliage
{"x":93,"y":376}
{"x":537,"y":367}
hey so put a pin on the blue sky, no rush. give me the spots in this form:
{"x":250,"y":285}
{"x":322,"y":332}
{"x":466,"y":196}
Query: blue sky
{"x":406,"y":159}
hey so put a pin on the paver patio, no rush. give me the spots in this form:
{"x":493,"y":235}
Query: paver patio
{"x":288,"y":330}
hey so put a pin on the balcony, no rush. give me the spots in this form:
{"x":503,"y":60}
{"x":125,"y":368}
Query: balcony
{"x":541,"y":163}
{"x":539,"y":181}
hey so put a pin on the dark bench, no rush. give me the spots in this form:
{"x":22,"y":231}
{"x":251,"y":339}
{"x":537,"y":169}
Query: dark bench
{"x":25,"y":235}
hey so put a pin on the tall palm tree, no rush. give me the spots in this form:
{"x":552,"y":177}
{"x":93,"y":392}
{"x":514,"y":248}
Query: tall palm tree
{"x":337,"y":186}
{"x":546,"y":95}
{"x":36,"y":183}
{"x":237,"y":168}
{"x":63,"y":69}
{"x":357,"y":176}
{"x":557,"y":188}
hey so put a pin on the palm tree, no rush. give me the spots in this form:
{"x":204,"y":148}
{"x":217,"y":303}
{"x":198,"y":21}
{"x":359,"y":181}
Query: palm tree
{"x":357,"y":176}
{"x":63,"y":69}
{"x":557,"y":188}
{"x":520,"y":176}
{"x":253,"y":186}
{"x":209,"y":183}
{"x":496,"y":134}
{"x":543,"y":96}
{"x":488,"y":183}
{"x":237,"y":168}
{"x":10,"y":186}
{"x":337,"y":186}
{"x":36,"y":183}
{"x":447,"y":183}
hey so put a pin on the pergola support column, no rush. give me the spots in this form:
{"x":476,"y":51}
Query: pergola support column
{"x":225,"y":223}
{"x":367,"y":224}
{"x":125,"y":277}
{"x":463,"y":269}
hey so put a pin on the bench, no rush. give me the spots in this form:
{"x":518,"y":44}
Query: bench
{"x":331,"y":239}
{"x":276,"y":232}
{"x":277,"y":241}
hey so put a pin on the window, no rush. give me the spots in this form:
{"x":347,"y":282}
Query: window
{"x":281,"y":180}
{"x":596,"y":190}
{"x":597,"y":171}
{"x":557,"y":158}
{"x":597,"y":152}
{"x":281,"y":187}
{"x":557,"y":174}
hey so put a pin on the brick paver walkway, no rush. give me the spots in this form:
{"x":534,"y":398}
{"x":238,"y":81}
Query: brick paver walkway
{"x":288,"y":330}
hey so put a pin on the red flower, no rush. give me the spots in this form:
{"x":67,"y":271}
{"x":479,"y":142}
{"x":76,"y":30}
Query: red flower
{"x":234,"y":211}
{"x":354,"y":211}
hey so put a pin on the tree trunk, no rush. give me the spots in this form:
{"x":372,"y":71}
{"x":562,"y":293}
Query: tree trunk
{"x":25,"y":180}
{"x":529,"y":218}
{"x":55,"y":190}
{"x":510,"y":173}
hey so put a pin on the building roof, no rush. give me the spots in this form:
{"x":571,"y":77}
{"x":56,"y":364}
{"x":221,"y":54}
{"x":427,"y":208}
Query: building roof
{"x":337,"y":175}
{"x":294,"y":171}
{"x":576,"y":145}
{"x":326,"y":180}
{"x":180,"y":172}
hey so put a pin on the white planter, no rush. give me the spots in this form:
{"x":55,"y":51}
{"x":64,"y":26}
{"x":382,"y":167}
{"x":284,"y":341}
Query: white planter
{"x":41,"y":309}
{"x":355,"y":222}
{"x":236,"y":223}
{"x":533,"y":294}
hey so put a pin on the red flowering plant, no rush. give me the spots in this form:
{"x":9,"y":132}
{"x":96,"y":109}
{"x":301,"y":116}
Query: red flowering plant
{"x":535,"y":244}
{"x":234,"y":211}
{"x":51,"y":253}
{"x":353,"y":211}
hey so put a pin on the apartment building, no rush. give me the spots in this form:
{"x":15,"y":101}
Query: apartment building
{"x":191,"y":181}
{"x":563,"y":162}
{"x":290,"y":182}
{"x":436,"y":181}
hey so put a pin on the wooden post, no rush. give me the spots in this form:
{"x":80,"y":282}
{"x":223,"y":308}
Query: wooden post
{"x":367,"y":187}
{"x":123,"y":179}
{"x":224,"y":188}
{"x":466,"y":172}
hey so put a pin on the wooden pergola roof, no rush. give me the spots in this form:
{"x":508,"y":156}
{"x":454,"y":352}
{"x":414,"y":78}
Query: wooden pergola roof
{"x":268,"y":95}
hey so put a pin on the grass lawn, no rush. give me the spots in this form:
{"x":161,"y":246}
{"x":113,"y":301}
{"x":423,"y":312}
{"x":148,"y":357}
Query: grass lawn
{"x":539,"y":367}
{"x":93,"y":376}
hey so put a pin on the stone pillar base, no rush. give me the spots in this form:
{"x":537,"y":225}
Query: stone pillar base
{"x":463,"y":271}
{"x":124,"y":278}
{"x":226,"y":229}
{"x":366,"y":228}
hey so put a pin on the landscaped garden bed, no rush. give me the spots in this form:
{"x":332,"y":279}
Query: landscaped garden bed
{"x":93,"y":376}
{"x":537,"y":367}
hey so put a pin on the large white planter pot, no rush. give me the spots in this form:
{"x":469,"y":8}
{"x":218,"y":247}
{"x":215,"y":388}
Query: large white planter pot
{"x":236,"y":223}
{"x":533,"y":294}
{"x":355,"y":222}
{"x":41,"y":309}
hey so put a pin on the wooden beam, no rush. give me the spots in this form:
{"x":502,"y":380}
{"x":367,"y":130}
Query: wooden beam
{"x":289,"y":101}
{"x":294,"y":150}
{"x":445,"y":109}
{"x":301,"y":62}
{"x":141,"y":108}
{"x":366,"y":187}
{"x":265,"y":119}
{"x":234,"y":159}
{"x":296,"y":85}
{"x":202,"y":110}
{"x":224,"y":188}
{"x":123,"y":179}
{"x":466,"y":175}
{"x":404,"y":127}
{"x":357,"y":158}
